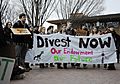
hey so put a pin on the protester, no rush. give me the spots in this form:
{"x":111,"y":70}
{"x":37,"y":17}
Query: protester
{"x":63,"y":29}
{"x":50,"y":31}
{"x":95,"y":32}
{"x":59,"y":64}
{"x":36,"y":30}
{"x":8,"y":32}
{"x":117,"y":41}
{"x":116,"y":37}
{"x":42,"y":32}
{"x":69,"y":31}
{"x":22,"y":42}
{"x":84,"y":32}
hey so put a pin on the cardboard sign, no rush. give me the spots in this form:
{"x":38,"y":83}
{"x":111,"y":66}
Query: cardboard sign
{"x":20,"y":31}
{"x":6,"y":67}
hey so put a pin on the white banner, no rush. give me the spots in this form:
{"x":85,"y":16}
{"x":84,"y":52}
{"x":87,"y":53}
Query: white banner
{"x":6,"y":67}
{"x":76,"y":49}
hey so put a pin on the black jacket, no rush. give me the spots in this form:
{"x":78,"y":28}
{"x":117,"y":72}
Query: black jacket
{"x":116,"y":38}
{"x":18,"y":24}
{"x":7,"y":33}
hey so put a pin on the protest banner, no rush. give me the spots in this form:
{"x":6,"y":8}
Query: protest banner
{"x":74,"y":49}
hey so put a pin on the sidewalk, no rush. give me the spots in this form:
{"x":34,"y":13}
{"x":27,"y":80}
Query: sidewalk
{"x":71,"y":76}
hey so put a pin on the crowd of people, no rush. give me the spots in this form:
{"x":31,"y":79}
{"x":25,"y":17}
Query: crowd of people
{"x":69,"y":30}
{"x":23,"y":43}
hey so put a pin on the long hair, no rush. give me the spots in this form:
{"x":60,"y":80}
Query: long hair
{"x":8,"y":24}
{"x":94,"y":32}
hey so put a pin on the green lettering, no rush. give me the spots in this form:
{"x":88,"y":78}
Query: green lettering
{"x":6,"y":65}
{"x":62,"y":58}
{"x":87,"y":59}
{"x":73,"y":58}
{"x":56,"y":58}
{"x":59,"y":58}
{"x":78,"y":58}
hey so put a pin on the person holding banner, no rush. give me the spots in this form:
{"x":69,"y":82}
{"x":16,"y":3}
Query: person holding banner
{"x":117,"y":42}
{"x":59,"y":64}
{"x":42,"y":32}
{"x":50,"y":31}
{"x":69,"y":31}
{"x":95,"y":32}
{"x":82,"y":32}
{"x":116,"y":37}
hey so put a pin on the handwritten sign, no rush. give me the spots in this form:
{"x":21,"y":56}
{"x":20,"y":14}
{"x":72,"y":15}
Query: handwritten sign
{"x":74,"y":49}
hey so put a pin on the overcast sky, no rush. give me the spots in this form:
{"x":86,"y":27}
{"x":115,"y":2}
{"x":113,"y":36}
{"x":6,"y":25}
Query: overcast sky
{"x":112,"y":6}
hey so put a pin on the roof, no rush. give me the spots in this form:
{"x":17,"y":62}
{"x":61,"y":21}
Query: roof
{"x":56,"y":22}
{"x":100,"y":18}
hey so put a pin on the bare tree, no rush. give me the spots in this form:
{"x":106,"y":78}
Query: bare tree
{"x":38,"y":11}
{"x":87,"y":7}
{"x":10,"y":14}
{"x":3,"y":6}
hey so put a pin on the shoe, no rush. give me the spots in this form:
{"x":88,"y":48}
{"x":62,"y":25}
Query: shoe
{"x":98,"y":66}
{"x":79,"y":68}
{"x":41,"y":66}
{"x":60,"y":67}
{"x":20,"y":70}
{"x":111,"y":69}
{"x":111,"y":66}
{"x":51,"y":65}
{"x":84,"y":66}
{"x":27,"y":69}
{"x":94,"y":66}
{"x":105,"y":66}
{"x":46,"y":66}
{"x":18,"y":77}
{"x":30,"y":68}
